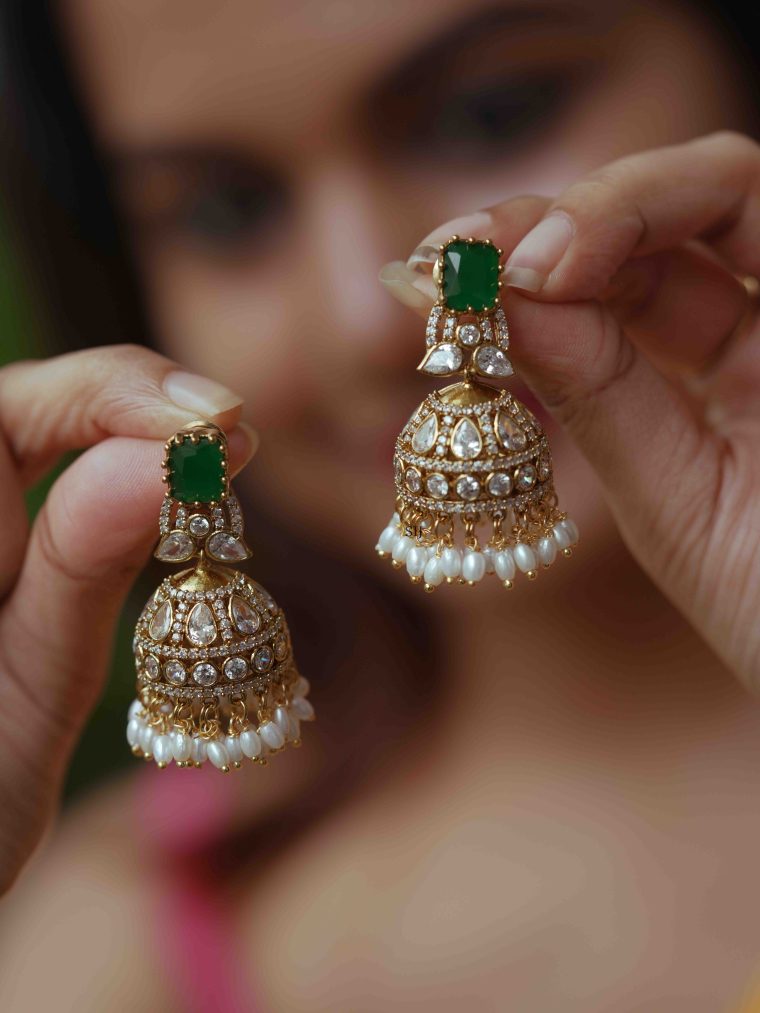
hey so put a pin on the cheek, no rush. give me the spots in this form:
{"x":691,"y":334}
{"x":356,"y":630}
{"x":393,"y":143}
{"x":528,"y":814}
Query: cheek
{"x":232,"y":328}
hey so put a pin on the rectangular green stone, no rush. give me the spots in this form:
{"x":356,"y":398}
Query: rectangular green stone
{"x":470,"y":275}
{"x":196,"y":471}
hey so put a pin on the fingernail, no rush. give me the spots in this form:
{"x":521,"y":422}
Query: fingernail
{"x":476,"y":225}
{"x":537,"y":254}
{"x":409,"y":288}
{"x":198,"y":394}
{"x":252,"y":435}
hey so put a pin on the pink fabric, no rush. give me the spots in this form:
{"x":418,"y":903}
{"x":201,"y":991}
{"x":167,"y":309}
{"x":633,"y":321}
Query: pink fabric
{"x":181,"y":814}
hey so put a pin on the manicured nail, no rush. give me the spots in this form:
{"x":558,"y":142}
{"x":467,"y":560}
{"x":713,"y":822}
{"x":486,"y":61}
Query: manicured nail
{"x":198,"y":394}
{"x":411,"y":289}
{"x":537,"y":254}
{"x":476,"y":225}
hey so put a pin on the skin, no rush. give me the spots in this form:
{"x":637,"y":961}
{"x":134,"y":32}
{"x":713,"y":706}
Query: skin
{"x":579,"y":823}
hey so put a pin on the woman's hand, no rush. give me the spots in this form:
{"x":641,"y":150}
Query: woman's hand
{"x":628,"y":334}
{"x":62,"y":583}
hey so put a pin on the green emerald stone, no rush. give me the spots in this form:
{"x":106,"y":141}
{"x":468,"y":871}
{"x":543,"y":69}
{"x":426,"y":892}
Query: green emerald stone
{"x":196,"y":471}
{"x":470,"y":275}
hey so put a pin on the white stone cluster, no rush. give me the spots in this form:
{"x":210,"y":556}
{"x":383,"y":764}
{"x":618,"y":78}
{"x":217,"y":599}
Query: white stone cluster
{"x":169,"y":744}
{"x":434,"y":564}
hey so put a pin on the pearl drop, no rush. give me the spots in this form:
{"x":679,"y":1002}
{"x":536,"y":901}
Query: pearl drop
{"x":504,"y":564}
{"x":387,"y":539}
{"x":394,"y":521}
{"x":525,"y":557}
{"x":451,"y":562}
{"x":147,"y":734}
{"x":561,"y":536}
{"x":282,"y":719}
{"x":547,"y":550}
{"x":162,"y":749}
{"x":134,"y":709}
{"x":433,"y":571}
{"x":250,"y":743}
{"x":302,"y":686}
{"x":234,"y":749}
{"x":416,"y":560}
{"x":401,"y":547}
{"x":473,"y":566}
{"x":488,"y":554}
{"x":295,"y":728}
{"x":271,"y":735}
{"x":182,"y":746}
{"x":572,"y":529}
{"x":217,"y":754}
{"x":302,"y":708}
{"x":133,"y":732}
{"x":198,"y":749}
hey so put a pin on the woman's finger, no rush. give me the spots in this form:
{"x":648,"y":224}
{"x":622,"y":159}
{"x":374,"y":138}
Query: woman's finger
{"x":708,"y":189}
{"x":75,"y":400}
{"x":86,"y":545}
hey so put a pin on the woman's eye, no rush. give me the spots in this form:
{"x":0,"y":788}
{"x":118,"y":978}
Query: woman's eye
{"x":488,"y":116}
{"x":226,"y":214}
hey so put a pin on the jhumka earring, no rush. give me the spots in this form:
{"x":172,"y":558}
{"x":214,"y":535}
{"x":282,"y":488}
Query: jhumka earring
{"x":216,"y":679}
{"x":472,"y":452}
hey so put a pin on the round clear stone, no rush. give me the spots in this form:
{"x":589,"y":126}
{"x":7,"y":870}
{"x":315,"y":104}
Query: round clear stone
{"x":525,"y":477}
{"x":468,"y":334}
{"x":437,"y":486}
{"x":198,"y":526}
{"x":262,"y":658}
{"x":413,"y":480}
{"x":235,"y":668}
{"x":468,"y":487}
{"x":204,"y":674}
{"x":174,"y":672}
{"x":151,"y":666}
{"x":499,"y":484}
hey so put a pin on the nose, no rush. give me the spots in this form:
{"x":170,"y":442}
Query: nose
{"x":349,"y":233}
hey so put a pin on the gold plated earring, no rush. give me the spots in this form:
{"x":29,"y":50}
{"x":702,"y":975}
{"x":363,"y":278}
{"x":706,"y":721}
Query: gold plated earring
{"x":216,"y":679}
{"x":473,"y":470}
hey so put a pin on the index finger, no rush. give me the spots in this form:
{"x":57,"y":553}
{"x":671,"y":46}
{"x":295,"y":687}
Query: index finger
{"x":705,"y":189}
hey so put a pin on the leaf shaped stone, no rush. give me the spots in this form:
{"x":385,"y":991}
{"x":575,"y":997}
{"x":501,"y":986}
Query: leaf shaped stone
{"x":226,"y":547}
{"x":245,"y":619}
{"x":511,"y":436}
{"x":466,"y":441}
{"x":161,"y":622}
{"x":491,"y":361}
{"x":426,"y":435}
{"x":201,"y":626}
{"x":175,"y":547}
{"x":442,"y":359}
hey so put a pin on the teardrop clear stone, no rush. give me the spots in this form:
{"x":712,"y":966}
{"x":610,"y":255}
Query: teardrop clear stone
{"x":426,"y":435}
{"x":245,"y":618}
{"x":201,"y":628}
{"x":175,"y":547}
{"x":466,"y":442}
{"x":442,"y":359}
{"x":161,"y":622}
{"x":491,"y":361}
{"x":226,"y":547}
{"x":510,"y":434}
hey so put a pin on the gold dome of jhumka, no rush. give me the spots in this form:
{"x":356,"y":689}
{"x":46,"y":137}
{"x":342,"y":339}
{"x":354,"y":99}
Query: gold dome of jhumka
{"x":473,"y":469}
{"x":216,"y":678}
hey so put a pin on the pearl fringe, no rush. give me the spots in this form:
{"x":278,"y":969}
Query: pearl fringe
{"x":153,"y":736}
{"x":438,"y":562}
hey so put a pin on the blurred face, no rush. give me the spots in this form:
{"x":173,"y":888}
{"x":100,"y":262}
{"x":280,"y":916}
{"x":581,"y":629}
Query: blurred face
{"x":271,"y":156}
